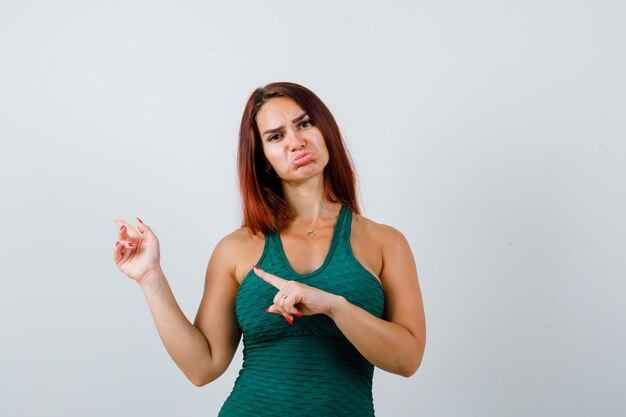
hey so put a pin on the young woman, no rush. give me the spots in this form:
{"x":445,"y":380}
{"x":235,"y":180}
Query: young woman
{"x":320,"y":293}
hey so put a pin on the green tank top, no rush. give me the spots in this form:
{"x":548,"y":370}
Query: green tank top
{"x":308,"y":368}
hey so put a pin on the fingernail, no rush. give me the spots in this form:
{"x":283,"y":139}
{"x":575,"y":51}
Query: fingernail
{"x":267,"y":310}
{"x":131,"y":244}
{"x":139,"y":220}
{"x":298,"y":314}
{"x":122,"y":227}
{"x":256,"y":267}
{"x":117,"y":243}
{"x":289,"y":320}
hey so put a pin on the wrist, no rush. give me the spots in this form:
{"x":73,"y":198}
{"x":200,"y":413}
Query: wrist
{"x":335,"y":306}
{"x":151,"y":278}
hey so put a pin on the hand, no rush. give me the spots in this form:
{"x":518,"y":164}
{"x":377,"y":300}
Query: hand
{"x":136,"y":251}
{"x":301,"y":299}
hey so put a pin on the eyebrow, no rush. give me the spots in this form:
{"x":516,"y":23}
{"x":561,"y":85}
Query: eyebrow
{"x":296,"y":120}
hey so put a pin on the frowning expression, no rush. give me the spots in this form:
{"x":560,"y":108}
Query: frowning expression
{"x":292,"y":143}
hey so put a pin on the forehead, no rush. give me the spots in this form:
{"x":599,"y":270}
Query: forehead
{"x":277,"y":111}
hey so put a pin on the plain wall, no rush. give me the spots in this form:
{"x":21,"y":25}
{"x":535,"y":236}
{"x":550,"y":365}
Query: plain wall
{"x":491,"y":134}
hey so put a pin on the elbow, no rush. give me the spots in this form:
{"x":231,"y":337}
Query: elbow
{"x":208,"y":375}
{"x":410,"y":370}
{"x":205,"y":373}
{"x":413,"y":363}
{"x":200,"y":380}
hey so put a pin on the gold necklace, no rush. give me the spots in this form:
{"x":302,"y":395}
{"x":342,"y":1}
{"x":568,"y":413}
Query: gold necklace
{"x":309,"y":233}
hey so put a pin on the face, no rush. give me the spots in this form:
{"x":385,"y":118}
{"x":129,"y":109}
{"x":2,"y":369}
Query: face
{"x":292,"y":143}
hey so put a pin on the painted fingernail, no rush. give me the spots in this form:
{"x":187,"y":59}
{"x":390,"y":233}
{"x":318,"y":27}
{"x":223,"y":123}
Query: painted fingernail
{"x":132,"y":244}
{"x":289,"y":320}
{"x":117,"y":243}
{"x":139,"y":220}
{"x":123,"y":227}
{"x":256,"y":267}
{"x":267,"y":310}
{"x":298,"y":314}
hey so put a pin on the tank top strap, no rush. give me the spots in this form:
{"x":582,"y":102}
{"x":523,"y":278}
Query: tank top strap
{"x":344,"y":225}
{"x":272,"y":246}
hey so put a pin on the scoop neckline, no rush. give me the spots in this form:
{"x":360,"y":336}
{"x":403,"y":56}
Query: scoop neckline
{"x":329,"y":255}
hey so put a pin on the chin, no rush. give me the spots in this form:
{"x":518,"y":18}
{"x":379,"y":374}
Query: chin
{"x":305,"y":172}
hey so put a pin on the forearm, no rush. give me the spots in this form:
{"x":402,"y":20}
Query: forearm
{"x":183,"y":341}
{"x":386,"y":345}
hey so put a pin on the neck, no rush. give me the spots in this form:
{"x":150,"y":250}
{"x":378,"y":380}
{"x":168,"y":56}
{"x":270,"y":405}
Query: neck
{"x":306,"y":201}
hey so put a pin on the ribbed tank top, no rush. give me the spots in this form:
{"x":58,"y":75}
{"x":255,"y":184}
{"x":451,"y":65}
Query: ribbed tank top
{"x":308,"y":368}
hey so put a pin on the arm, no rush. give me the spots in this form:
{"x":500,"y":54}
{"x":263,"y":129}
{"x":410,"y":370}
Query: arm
{"x":396,"y":343}
{"x":202,"y":350}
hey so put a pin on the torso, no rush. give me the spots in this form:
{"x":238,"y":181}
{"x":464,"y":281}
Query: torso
{"x":314,"y":351}
{"x":307,"y":254}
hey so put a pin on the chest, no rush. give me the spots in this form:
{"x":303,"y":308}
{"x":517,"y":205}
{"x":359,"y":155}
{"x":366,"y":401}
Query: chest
{"x":305,"y":255}
{"x":338,"y":273}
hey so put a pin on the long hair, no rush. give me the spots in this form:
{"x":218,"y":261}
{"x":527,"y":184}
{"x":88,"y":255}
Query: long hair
{"x":264,"y":207}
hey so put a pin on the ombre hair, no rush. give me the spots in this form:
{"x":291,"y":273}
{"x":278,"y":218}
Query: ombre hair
{"x":264,"y":207}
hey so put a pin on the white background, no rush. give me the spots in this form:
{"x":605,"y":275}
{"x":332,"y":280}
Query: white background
{"x":491,"y":133}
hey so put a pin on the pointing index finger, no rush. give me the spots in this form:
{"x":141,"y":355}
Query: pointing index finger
{"x":269,"y":278}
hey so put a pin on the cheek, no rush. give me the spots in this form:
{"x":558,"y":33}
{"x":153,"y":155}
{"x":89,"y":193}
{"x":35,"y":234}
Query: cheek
{"x":319,"y":139}
{"x":272,"y":155}
{"x":323,"y":146}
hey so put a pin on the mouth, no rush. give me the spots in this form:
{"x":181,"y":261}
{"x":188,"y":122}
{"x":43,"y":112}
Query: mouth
{"x":303,"y":158}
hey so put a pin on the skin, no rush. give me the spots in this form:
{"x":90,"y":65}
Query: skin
{"x":204,"y":349}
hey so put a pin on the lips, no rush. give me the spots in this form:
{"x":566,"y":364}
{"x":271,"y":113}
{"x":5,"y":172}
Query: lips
{"x":302,"y":158}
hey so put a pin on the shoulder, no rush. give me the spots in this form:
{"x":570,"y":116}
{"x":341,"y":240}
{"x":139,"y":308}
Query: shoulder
{"x":376,"y":245}
{"x":398,"y":271}
{"x":238,"y":239}
{"x":384,"y":235}
{"x":240,"y":249}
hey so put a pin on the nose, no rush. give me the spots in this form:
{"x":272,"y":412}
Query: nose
{"x":296,"y":141}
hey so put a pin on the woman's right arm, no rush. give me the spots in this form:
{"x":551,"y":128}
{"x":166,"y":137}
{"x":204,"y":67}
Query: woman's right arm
{"x":202,"y":350}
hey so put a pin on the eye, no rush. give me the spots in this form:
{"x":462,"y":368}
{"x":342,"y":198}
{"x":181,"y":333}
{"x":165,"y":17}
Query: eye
{"x":273,"y":137}
{"x":305,"y":123}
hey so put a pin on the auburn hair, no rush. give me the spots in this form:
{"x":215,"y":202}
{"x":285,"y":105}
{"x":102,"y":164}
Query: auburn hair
{"x":264,"y":207}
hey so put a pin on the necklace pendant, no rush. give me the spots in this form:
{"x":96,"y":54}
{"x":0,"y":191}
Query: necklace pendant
{"x":310,"y":233}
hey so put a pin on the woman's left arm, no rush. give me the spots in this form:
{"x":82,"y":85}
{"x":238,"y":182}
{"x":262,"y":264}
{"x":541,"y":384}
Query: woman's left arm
{"x":395,"y":344}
